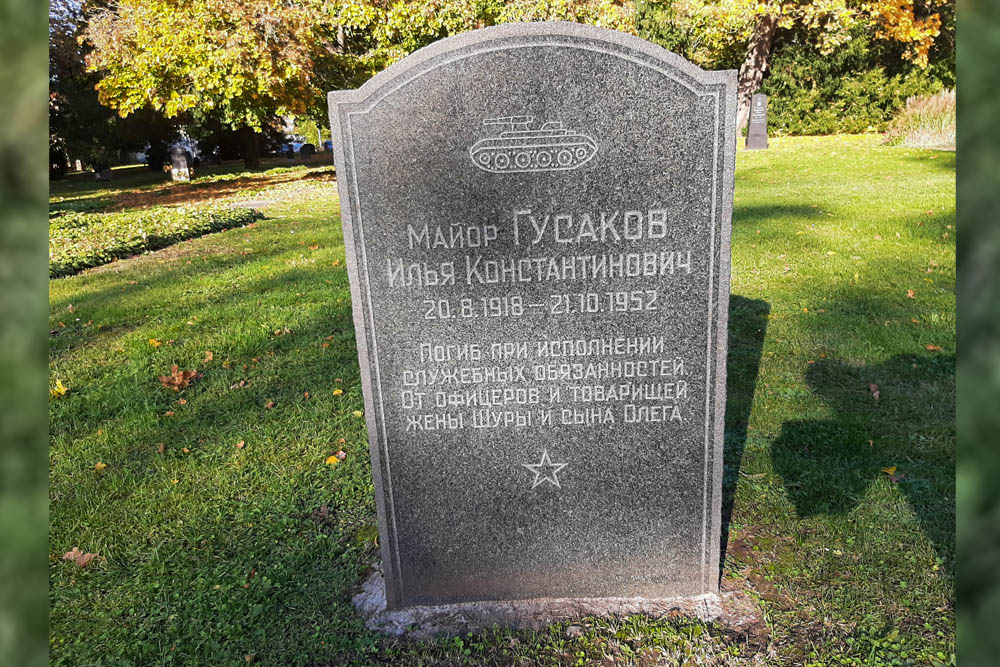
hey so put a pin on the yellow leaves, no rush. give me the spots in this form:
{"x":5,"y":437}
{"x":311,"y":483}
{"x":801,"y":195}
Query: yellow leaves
{"x":99,"y":466}
{"x":59,"y":390}
{"x":78,"y":557}
{"x":891,"y":470}
{"x":357,"y":413}
{"x":154,"y":342}
{"x":335,"y":459}
{"x":338,"y":392}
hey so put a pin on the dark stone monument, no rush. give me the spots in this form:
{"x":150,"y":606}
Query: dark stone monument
{"x":757,"y":126}
{"x":180,"y":166}
{"x":537,"y":223}
{"x":307,"y":151}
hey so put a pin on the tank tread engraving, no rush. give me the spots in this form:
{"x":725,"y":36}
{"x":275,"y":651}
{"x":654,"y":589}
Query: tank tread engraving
{"x":549,"y":147}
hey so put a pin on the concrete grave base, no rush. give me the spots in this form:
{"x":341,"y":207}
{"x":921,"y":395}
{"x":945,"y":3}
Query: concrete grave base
{"x":422,"y":622}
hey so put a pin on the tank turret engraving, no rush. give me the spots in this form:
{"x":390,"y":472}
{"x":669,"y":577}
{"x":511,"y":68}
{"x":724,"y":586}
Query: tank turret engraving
{"x":520,"y":148}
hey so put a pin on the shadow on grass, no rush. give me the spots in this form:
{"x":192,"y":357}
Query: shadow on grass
{"x":747,"y":328}
{"x":828,"y":465}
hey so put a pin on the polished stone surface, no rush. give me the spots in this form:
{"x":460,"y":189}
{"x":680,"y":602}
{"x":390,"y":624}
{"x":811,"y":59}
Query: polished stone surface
{"x":757,"y":125}
{"x":537,"y":225}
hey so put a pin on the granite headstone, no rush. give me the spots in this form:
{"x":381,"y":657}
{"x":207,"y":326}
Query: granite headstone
{"x":180,"y":166}
{"x":757,"y":126}
{"x":307,"y":151}
{"x":537,"y":223}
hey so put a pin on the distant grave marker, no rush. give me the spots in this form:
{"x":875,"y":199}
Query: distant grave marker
{"x":537,"y":224}
{"x":180,"y":166}
{"x":757,"y":126}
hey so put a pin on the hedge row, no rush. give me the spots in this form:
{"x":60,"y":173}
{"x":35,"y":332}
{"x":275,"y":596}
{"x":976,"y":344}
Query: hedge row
{"x":81,"y":240}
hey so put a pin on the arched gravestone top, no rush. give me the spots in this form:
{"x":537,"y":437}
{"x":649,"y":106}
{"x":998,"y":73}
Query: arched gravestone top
{"x":537,"y":225}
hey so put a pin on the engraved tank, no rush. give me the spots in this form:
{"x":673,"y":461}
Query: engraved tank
{"x":550,"y":147}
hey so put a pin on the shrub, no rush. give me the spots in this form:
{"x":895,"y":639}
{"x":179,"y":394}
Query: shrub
{"x":79,"y":240}
{"x":927,"y":121}
{"x":848,"y":91}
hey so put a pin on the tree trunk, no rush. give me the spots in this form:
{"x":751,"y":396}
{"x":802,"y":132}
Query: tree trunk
{"x":251,"y":147}
{"x":752,"y":69}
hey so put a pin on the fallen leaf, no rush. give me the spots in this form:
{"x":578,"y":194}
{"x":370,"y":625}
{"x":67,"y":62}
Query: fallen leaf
{"x":934,"y":348}
{"x":173,"y":481}
{"x":342,"y":440}
{"x":80,"y":558}
{"x":332,"y":460}
{"x":179,"y":379}
{"x":338,"y":392}
{"x":325,"y":345}
{"x":337,"y":380}
{"x":282,"y":331}
{"x":154,"y":342}
{"x":226,"y":364}
{"x":314,"y":247}
{"x":305,"y":394}
{"x":181,"y":401}
{"x":891,"y":470}
{"x":357,"y":413}
{"x":208,"y":356}
{"x":62,"y":324}
{"x":70,"y":308}
{"x":161,"y":448}
{"x":168,"y":413}
{"x":805,"y":310}
{"x":871,"y":444}
{"x":239,"y":445}
{"x":59,"y":390}
{"x":100,"y":466}
{"x":910,"y":294}
{"x":336,"y":262}
{"x":915,"y":320}
{"x":185,"y":450}
{"x":269,"y":405}
{"x":873,"y":388}
{"x":341,"y":454}
{"x":328,"y":338}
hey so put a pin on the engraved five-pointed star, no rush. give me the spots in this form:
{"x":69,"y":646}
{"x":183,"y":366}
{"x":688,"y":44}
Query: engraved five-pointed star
{"x":540,"y":468}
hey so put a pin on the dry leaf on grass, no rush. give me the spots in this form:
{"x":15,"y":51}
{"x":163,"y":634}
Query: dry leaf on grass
{"x":208,"y":357}
{"x":934,"y":348}
{"x":910,"y":294}
{"x":100,"y":466}
{"x":179,"y":379}
{"x":154,"y":342}
{"x":269,"y":405}
{"x":59,"y":390}
{"x":80,"y":558}
{"x":240,"y":444}
{"x":873,"y":388}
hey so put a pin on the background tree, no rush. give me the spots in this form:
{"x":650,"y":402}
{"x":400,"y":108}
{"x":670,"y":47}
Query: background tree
{"x":742,"y":33}
{"x":80,"y":127}
{"x":241,"y":62}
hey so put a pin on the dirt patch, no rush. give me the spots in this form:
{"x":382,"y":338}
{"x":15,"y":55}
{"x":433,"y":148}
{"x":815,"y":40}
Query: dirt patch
{"x":191,"y":193}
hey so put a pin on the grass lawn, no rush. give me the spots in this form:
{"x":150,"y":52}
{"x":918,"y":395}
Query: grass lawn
{"x":225,"y":535}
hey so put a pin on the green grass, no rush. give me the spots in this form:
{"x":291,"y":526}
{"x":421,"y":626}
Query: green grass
{"x":221,"y":555}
